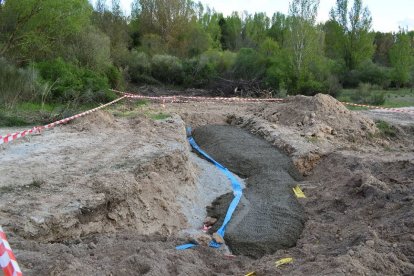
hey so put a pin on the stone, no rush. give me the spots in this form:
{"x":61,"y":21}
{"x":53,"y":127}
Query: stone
{"x":209,"y":221}
{"x":201,"y":239}
{"x":218,"y":238}
{"x":370,"y":243}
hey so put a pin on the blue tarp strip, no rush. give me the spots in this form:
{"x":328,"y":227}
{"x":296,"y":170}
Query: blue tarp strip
{"x":237,"y":190}
{"x":185,"y":246}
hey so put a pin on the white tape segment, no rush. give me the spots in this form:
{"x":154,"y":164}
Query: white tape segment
{"x":7,"y":259}
{"x":10,"y":137}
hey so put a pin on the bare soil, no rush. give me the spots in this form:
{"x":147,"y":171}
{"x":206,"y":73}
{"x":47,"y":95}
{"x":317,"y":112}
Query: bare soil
{"x":110,"y":194}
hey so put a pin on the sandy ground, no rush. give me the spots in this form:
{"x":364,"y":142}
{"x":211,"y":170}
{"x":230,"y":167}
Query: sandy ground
{"x":113,"y":193}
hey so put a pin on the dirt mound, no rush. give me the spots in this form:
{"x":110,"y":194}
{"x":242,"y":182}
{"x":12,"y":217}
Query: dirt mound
{"x":320,"y":116}
{"x":70,"y":184}
{"x":268,"y":217}
{"x":95,"y":121}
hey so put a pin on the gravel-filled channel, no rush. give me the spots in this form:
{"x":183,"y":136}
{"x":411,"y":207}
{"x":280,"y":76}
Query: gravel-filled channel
{"x":269,"y":217}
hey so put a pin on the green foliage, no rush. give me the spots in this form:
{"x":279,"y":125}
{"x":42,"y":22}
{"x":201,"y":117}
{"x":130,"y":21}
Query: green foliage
{"x":167,"y":69}
{"x":249,"y":64}
{"x":159,"y":116}
{"x":33,"y":29}
{"x":17,"y":84}
{"x":368,"y":72}
{"x":350,"y":34}
{"x":402,"y":59}
{"x":72,"y":83}
{"x":368,"y":94}
{"x":386,"y":129}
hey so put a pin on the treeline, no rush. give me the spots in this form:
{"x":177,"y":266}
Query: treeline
{"x":71,"y":51}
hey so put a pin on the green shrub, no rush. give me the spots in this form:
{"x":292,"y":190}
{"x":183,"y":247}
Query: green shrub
{"x":386,"y":129}
{"x":139,"y":65}
{"x":249,"y":64}
{"x":368,"y":72}
{"x":167,"y":69}
{"x":311,"y":87}
{"x":72,"y":83}
{"x":368,"y":94}
{"x":115,"y":77}
{"x":198,"y":71}
{"x":17,"y":84}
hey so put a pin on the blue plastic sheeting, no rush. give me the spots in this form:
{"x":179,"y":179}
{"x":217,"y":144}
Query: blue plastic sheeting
{"x":237,"y":190}
{"x":185,"y":246}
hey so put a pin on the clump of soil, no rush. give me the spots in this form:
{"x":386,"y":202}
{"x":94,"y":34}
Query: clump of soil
{"x":320,"y":116}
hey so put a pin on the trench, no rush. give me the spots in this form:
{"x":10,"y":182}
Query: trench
{"x":268,"y":217}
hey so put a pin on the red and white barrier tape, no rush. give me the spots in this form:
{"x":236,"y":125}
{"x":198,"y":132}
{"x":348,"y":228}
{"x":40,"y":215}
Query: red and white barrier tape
{"x":10,"y":137}
{"x":7,"y":259}
{"x":175,"y":99}
{"x":380,"y":108}
{"x":180,"y":98}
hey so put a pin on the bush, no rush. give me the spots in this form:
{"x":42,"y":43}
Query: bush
{"x":72,"y":83}
{"x":311,"y":87}
{"x":167,"y":69}
{"x":368,"y":72}
{"x":198,"y":71}
{"x":17,"y":84}
{"x":249,"y":64}
{"x":139,"y":65}
{"x":368,"y":94}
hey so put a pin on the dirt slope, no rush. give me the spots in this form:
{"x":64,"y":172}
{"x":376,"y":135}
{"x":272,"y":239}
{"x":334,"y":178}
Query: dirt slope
{"x":99,"y":196}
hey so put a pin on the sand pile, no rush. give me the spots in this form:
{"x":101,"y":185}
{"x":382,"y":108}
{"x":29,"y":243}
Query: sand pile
{"x":320,"y":116}
{"x":95,"y":121}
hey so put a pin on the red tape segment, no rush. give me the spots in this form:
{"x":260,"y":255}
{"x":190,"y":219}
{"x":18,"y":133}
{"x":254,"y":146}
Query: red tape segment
{"x":179,"y":98}
{"x":176,"y":99}
{"x":7,"y":259}
{"x":380,"y":108}
{"x":10,"y":137}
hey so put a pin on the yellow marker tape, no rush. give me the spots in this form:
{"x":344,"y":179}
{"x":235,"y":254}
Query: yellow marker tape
{"x":251,"y":273}
{"x":298,"y":192}
{"x":283,"y":261}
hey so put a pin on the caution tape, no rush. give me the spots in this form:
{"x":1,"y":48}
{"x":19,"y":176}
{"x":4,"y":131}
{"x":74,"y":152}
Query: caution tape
{"x":180,"y":98}
{"x":10,"y":137}
{"x":7,"y":259}
{"x":380,"y":108}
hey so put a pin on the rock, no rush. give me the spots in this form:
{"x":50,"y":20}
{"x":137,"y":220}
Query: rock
{"x":201,"y":239}
{"x":218,"y":238}
{"x":92,"y":245}
{"x":209,"y":221}
{"x":370,"y":243}
{"x":351,"y":252}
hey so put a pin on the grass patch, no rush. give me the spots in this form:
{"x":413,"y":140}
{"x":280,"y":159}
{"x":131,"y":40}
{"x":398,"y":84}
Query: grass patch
{"x":141,"y":103}
{"x":386,"y":130}
{"x":159,"y":116}
{"x":356,"y":108}
{"x":393,"y":98}
{"x":6,"y":189}
{"x":11,"y":120}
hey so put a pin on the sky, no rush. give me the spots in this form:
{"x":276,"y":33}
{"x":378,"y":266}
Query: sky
{"x":387,"y":15}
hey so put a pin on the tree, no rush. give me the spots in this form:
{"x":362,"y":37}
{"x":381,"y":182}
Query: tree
{"x":302,"y":34}
{"x":401,"y":57}
{"x":354,"y":34}
{"x":255,"y":29}
{"x":32,"y":29}
{"x":231,"y":30}
{"x":279,"y":28}
{"x":383,"y":43}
